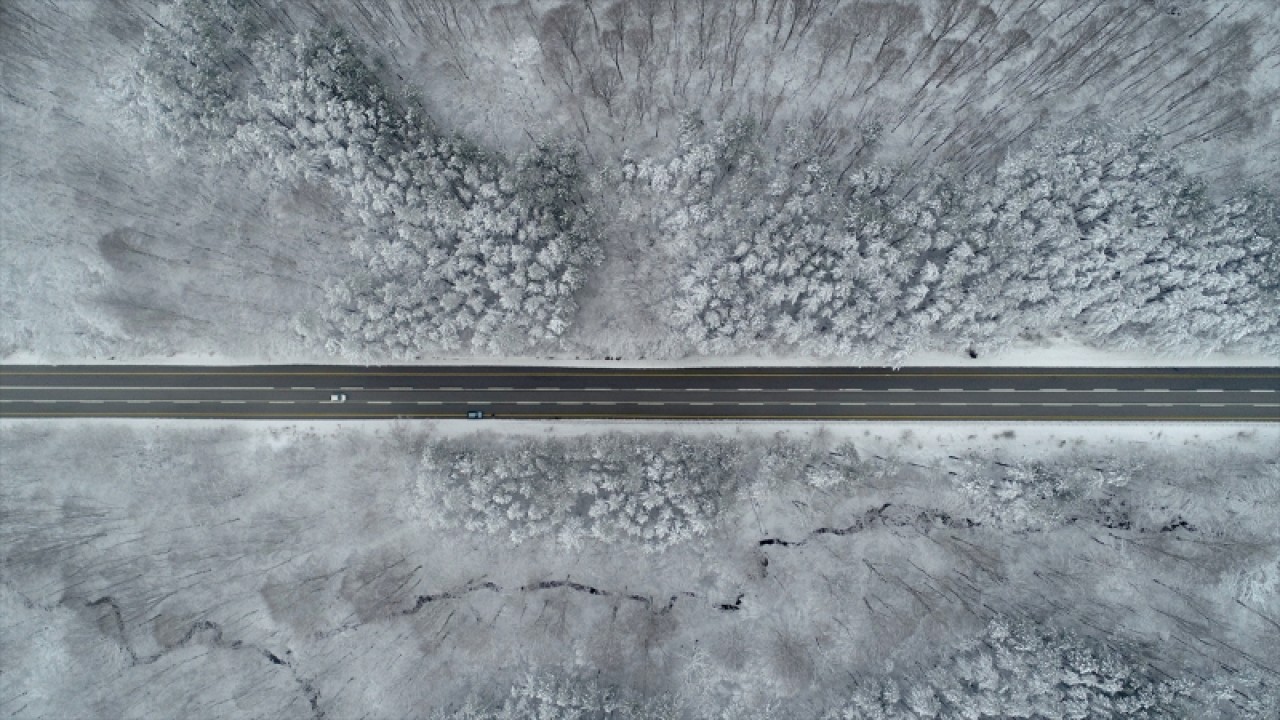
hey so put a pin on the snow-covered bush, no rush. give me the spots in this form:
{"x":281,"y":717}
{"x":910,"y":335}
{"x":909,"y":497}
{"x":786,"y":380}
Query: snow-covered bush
{"x":656,"y":491}
{"x":1017,"y":669}
{"x":553,"y":696}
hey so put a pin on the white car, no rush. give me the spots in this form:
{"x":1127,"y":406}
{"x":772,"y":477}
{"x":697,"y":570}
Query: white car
{"x":338,"y":397}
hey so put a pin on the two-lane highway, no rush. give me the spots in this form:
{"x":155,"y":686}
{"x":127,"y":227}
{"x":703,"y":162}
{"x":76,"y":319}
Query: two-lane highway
{"x":543,"y":393}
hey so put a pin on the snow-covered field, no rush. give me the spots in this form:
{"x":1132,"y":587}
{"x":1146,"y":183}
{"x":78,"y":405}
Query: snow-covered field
{"x":282,"y":570}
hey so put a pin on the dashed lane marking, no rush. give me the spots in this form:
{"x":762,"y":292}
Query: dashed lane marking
{"x":127,"y":388}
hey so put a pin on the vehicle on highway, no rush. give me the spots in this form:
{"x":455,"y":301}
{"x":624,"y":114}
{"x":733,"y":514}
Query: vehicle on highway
{"x":475,"y":414}
{"x":338,"y":397}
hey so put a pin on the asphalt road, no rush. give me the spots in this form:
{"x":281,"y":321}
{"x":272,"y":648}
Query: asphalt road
{"x":282,"y":392}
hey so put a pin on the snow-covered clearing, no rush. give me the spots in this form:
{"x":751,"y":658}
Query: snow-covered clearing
{"x":294,"y":570}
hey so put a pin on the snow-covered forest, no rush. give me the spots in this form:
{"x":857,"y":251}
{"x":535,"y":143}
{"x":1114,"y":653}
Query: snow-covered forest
{"x":327,"y":571}
{"x":409,"y":179}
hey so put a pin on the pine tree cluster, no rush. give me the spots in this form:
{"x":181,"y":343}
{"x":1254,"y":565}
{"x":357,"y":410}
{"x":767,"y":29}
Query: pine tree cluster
{"x":460,"y":249}
{"x":1102,"y":237}
{"x":653,"y":491}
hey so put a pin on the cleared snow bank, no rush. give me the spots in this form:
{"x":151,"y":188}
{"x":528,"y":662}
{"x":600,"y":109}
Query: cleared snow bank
{"x":1058,"y":353}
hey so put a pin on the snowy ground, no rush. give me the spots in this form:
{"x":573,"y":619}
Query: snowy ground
{"x":284,"y":570}
{"x":1062,"y":353}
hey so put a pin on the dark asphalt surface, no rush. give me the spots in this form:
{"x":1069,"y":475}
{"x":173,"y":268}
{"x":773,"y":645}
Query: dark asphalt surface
{"x":284,"y":392}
